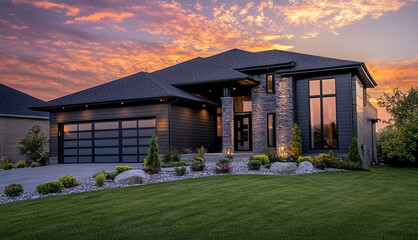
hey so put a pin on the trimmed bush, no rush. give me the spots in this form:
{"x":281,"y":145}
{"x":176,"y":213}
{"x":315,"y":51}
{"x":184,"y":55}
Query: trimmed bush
{"x":153,"y":158}
{"x":175,"y":164}
{"x":322,"y":157}
{"x":199,"y":159}
{"x":13,"y":190}
{"x":50,"y":187}
{"x":354,"y":153}
{"x":33,"y":164}
{"x":224,"y":160}
{"x":180,"y":171}
{"x":197,"y":167}
{"x":171,"y":156}
{"x":261,"y":158}
{"x":303,"y":159}
{"x":151,"y":170}
{"x":5,"y":160}
{"x":111,"y":175}
{"x":21,"y":164}
{"x":100,"y":179}
{"x":122,"y":168}
{"x":223,"y":168}
{"x":254,"y":165}
{"x":6,"y":166}
{"x":295,"y":149}
{"x":67,"y":181}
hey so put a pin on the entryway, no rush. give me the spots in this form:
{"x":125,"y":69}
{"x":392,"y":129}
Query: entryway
{"x":243,"y":137}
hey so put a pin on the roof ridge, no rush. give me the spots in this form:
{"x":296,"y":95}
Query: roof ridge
{"x":312,"y":55}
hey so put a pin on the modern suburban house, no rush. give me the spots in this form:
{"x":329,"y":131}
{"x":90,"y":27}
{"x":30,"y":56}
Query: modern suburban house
{"x":233,"y":101}
{"x":16,"y":119}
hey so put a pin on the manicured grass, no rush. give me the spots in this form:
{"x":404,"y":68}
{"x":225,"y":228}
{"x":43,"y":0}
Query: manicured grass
{"x":377,"y":204}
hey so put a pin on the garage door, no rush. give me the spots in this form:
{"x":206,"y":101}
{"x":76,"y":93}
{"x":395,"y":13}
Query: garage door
{"x":107,"y":141}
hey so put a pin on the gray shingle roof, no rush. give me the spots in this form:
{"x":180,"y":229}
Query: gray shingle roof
{"x":308,"y":62}
{"x":197,"y":70}
{"x":14,"y":102}
{"x":136,"y":86}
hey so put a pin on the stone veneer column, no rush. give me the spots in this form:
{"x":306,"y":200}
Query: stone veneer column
{"x":227,"y":124}
{"x":284,"y":113}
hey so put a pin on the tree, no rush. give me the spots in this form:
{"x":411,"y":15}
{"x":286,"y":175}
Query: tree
{"x":398,"y":141}
{"x":354,"y":153}
{"x":295,"y":149}
{"x":33,"y":146}
{"x":153,"y":158}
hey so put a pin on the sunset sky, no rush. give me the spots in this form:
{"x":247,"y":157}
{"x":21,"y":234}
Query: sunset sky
{"x":53,"y":48}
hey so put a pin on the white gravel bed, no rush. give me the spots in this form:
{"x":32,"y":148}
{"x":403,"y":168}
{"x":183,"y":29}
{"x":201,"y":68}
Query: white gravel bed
{"x":86,"y":185}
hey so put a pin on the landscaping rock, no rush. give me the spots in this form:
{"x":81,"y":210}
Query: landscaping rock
{"x":132,"y":177}
{"x":305,"y":167}
{"x":283,"y":168}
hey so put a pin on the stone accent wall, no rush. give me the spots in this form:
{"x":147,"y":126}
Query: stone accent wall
{"x":263,"y":103}
{"x":227,"y":124}
{"x":284,"y":113}
{"x":13,"y":129}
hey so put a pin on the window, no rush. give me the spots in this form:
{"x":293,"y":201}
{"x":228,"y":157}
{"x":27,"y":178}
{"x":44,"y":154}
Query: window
{"x":271,"y":123}
{"x":323,"y":114}
{"x":270,"y":83}
{"x":219,"y":122}
{"x":242,"y":104}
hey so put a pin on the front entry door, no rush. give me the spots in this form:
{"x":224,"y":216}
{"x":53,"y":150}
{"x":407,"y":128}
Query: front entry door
{"x":243,"y":133}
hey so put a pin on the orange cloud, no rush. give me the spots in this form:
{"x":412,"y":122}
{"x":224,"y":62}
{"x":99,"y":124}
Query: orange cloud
{"x":108,"y":16}
{"x":311,"y":34}
{"x":7,"y":23}
{"x":70,"y":11}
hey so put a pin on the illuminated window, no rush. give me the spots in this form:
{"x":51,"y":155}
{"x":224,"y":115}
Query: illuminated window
{"x":323,"y":115}
{"x":270,"y":83}
{"x":271,"y":137}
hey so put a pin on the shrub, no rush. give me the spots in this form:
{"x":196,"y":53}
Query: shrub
{"x":223,"y":168}
{"x":33,"y":164}
{"x":100,"y":178}
{"x":295,"y":149}
{"x":180,"y":171}
{"x":201,"y":152}
{"x":268,"y":165}
{"x":13,"y":190}
{"x":271,"y":154}
{"x":224,"y":160}
{"x":199,"y":159}
{"x":262,"y":158}
{"x":175,"y":164}
{"x":153,"y":158}
{"x":254,"y":165}
{"x":98,"y":172}
{"x":33,"y":146}
{"x":50,"y":187}
{"x":111,"y":175}
{"x":6,"y":166}
{"x":354,"y":153}
{"x":151,"y":170}
{"x":197,"y":167}
{"x":322,"y":157}
{"x":67,"y":181}
{"x":5,"y":160}
{"x":21,"y":164}
{"x":122,"y":168}
{"x":171,"y":156}
{"x":303,"y":159}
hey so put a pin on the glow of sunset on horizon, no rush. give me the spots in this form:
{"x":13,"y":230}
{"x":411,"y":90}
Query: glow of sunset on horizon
{"x":49,"y":49}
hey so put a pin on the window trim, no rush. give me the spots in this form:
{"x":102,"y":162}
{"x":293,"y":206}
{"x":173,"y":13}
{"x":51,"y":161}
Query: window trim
{"x":321,"y":96}
{"x":274,"y":130}
{"x":273,"y":83}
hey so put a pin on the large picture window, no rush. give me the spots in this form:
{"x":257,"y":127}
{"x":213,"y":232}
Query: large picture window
{"x":323,"y":114}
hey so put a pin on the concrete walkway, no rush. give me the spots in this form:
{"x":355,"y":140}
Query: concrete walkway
{"x":32,"y":177}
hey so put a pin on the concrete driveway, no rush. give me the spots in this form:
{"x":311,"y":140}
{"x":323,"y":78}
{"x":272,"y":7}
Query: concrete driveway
{"x":32,"y":177}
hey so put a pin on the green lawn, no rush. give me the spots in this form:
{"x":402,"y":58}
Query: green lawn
{"x":377,"y":204}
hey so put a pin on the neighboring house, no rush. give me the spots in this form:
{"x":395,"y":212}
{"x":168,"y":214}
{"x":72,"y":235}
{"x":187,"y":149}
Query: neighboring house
{"x":232,"y":101}
{"x":16,"y":119}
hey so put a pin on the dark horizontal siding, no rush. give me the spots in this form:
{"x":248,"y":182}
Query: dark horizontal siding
{"x":344,"y":106}
{"x":160,"y":111}
{"x":191,"y":127}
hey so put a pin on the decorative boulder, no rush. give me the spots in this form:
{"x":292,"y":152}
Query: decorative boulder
{"x":283,"y":168}
{"x":132,"y":177}
{"x":305,"y":167}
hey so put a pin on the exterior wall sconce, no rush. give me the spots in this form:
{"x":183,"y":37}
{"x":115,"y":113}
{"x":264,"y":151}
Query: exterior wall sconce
{"x":233,"y":88}
{"x":161,"y":100}
{"x":87,"y":105}
{"x":203,"y":105}
{"x":63,"y":108}
{"x":121,"y":103}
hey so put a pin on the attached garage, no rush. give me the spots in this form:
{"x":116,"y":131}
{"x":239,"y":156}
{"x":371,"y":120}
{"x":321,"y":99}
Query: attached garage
{"x":107,"y":141}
